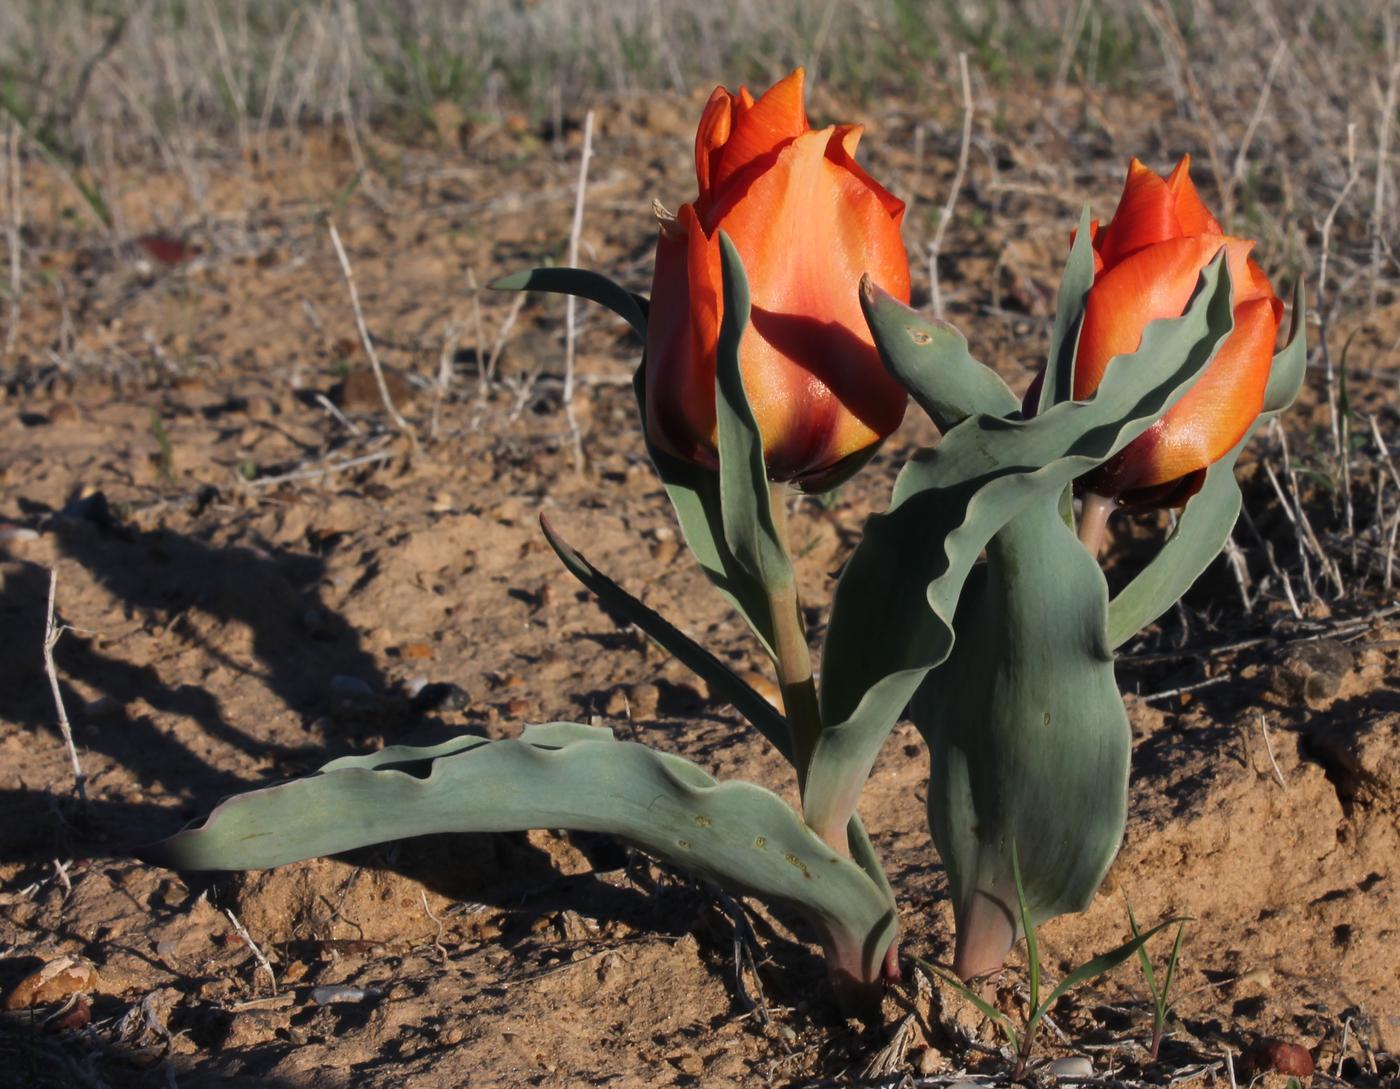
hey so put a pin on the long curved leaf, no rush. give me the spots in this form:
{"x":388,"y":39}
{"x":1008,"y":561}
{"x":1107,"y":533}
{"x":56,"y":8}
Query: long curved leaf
{"x":738,"y":835}
{"x":743,"y":475}
{"x":892,"y":616}
{"x":585,"y":284}
{"x":721,"y":679}
{"x":694,"y":492}
{"x":1078,"y":278}
{"x":1209,"y":516}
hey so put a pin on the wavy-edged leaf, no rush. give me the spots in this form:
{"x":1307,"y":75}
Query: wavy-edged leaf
{"x":585,"y":284}
{"x":738,"y":835}
{"x":929,"y":358}
{"x":1028,"y":740}
{"x":722,"y":680}
{"x":694,"y":492}
{"x":1209,"y":515}
{"x":1078,"y":278}
{"x":743,"y":474}
{"x":892,"y":616}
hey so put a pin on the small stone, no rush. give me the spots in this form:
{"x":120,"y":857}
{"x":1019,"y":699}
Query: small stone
{"x":1071,"y":1066}
{"x":360,"y":390}
{"x":10,"y":534}
{"x":764,"y":686}
{"x":339,"y":994}
{"x":1312,"y":672}
{"x":416,"y":651}
{"x":103,"y":707}
{"x":259,"y":408}
{"x":352,"y":687}
{"x":451,"y":1036}
{"x":55,"y":981}
{"x":617,"y":704}
{"x":438,"y":696}
{"x":690,"y":1064}
{"x":293,"y":972}
{"x":64,"y":414}
{"x":517,"y":706}
{"x":665,"y":550}
{"x":1270,"y":1055}
{"x":644,"y":699}
{"x":930,"y":1062}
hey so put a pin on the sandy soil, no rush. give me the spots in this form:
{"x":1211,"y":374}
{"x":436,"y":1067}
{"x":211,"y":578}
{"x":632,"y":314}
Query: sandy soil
{"x":236,"y":620}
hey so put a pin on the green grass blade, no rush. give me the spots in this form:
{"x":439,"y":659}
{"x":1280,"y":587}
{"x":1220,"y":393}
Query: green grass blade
{"x":1092,"y":969}
{"x":985,"y":1008}
{"x":1027,"y":929}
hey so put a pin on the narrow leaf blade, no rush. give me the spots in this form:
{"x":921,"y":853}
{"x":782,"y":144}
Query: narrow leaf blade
{"x":1104,"y":962}
{"x":584,"y":284}
{"x":743,"y":475}
{"x":721,"y":679}
{"x":1078,"y":278}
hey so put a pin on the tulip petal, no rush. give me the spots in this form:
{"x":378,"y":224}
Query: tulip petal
{"x":807,"y":228}
{"x":1207,"y":422}
{"x":1191,"y":212}
{"x":1146,"y":215}
{"x":760,"y":129}
{"x":715,"y":125}
{"x":681,"y":342}
{"x":1148,"y":285}
{"x":841,"y":150}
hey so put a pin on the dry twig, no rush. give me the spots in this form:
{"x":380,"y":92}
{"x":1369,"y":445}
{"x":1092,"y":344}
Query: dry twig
{"x":945,"y":216}
{"x":51,"y":637}
{"x":368,"y":342}
{"x":570,"y":303}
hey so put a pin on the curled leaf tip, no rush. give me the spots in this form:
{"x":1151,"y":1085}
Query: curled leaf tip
{"x":516,"y":281}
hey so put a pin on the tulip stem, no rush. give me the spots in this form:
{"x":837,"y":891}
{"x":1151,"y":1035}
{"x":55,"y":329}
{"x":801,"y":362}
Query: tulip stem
{"x":1093,"y":519}
{"x":793,"y":657}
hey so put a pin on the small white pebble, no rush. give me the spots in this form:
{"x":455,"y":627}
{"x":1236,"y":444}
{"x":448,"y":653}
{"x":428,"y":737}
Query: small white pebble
{"x":1071,"y":1066}
{"x":325,"y":996}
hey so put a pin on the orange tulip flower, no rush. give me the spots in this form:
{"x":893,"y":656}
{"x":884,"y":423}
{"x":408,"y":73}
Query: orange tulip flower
{"x":808,"y":222}
{"x":1147,"y":260}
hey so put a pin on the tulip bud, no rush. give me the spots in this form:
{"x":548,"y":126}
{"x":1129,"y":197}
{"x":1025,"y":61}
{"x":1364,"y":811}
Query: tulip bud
{"x":807,"y":222}
{"x":1147,"y":260}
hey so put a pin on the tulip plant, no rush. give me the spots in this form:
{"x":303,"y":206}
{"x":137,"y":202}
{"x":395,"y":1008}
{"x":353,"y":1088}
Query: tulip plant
{"x":780,"y":351}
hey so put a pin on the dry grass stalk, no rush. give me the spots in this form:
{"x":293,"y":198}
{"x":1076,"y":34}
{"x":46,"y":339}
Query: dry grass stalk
{"x":14,"y":221}
{"x":368,"y":341}
{"x":945,"y":216}
{"x":570,"y":303}
{"x":258,"y":955}
{"x":51,"y":637}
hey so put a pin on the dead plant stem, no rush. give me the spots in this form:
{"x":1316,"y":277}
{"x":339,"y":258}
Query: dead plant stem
{"x":51,"y":636}
{"x":14,"y":222}
{"x":945,"y":215}
{"x":368,"y":341}
{"x":570,"y":303}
